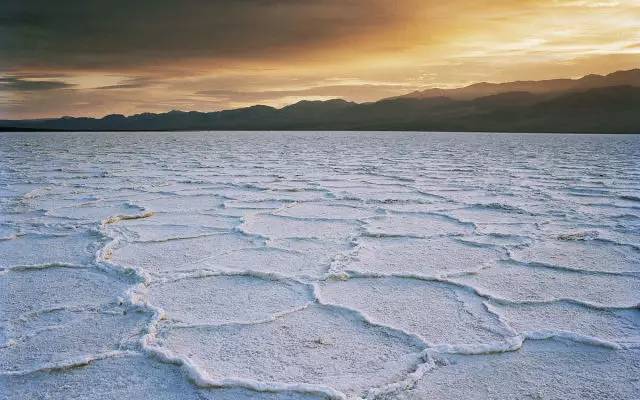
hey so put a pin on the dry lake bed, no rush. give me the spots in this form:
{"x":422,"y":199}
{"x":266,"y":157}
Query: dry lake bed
{"x":315,"y":265}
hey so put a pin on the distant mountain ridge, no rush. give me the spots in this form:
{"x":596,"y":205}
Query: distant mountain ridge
{"x":552,"y":86}
{"x":592,"y":104}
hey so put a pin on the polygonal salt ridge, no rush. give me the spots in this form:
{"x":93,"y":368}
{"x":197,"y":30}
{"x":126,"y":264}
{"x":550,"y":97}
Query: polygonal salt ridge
{"x":437,"y":207}
{"x":381,"y":197}
{"x":98,"y":211}
{"x":49,"y":339}
{"x":59,"y":288}
{"x":432,"y":257}
{"x":167,"y":226}
{"x":526,"y":230}
{"x":178,"y":187}
{"x":469,"y":195}
{"x":493,"y":213}
{"x":615,"y":327}
{"x":245,"y":211}
{"x":327,"y":347}
{"x":178,"y":203}
{"x":443,"y":314}
{"x":280,"y":227}
{"x":135,"y":376}
{"x":295,"y":185}
{"x":365,"y":185}
{"x":508,"y":281}
{"x":283,"y":195}
{"x":325,"y":211}
{"x":181,"y":254}
{"x":498,"y":240}
{"x":50,"y":200}
{"x":585,"y":232}
{"x":302,"y":258}
{"x":227,"y":298}
{"x":416,"y":225}
{"x":74,"y":248}
{"x":586,"y":371}
{"x":581,"y":255}
{"x":239,"y":205}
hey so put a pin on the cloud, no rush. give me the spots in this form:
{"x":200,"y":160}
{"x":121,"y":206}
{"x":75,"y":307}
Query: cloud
{"x":122,"y":33}
{"x":26,"y":85}
{"x":131,"y":83}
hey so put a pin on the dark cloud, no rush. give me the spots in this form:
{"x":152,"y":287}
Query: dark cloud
{"x":118,"y":33}
{"x":17,"y":84}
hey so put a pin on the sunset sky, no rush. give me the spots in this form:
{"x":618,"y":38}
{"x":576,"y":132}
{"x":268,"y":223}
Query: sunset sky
{"x":100,"y":57}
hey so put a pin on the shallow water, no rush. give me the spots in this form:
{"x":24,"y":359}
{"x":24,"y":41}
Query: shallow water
{"x":311,"y":265}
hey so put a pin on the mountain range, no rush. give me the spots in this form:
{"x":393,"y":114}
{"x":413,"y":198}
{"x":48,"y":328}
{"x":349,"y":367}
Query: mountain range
{"x":592,"y":104}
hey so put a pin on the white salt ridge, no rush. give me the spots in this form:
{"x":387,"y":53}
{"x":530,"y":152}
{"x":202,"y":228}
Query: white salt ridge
{"x":576,"y":231}
{"x":530,"y":230}
{"x":53,"y":201}
{"x":182,"y":203}
{"x":381,"y":194}
{"x":437,"y":312}
{"x":324,"y":211}
{"x":257,"y":205}
{"x":55,"y":287}
{"x":271,"y":195}
{"x":589,"y":255}
{"x":127,"y":376}
{"x":518,"y":283}
{"x":546,"y":369}
{"x":498,"y":240}
{"x":53,"y":338}
{"x":184,"y":219}
{"x":410,"y":256}
{"x":162,"y":227}
{"x":97,"y":211}
{"x":179,"y":255}
{"x":416,"y":225}
{"x":494,"y":212}
{"x":34,"y":249}
{"x":162,"y":233}
{"x":620,"y":326}
{"x":422,"y":208}
{"x":277,"y":227}
{"x":216,"y":300}
{"x":272,"y":259}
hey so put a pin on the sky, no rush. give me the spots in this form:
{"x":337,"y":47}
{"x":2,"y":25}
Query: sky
{"x":98,"y":57}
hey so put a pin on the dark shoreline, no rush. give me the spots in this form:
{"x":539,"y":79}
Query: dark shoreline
{"x":22,"y":130}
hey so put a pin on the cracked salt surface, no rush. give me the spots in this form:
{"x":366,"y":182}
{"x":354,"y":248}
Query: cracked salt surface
{"x":358,"y":265}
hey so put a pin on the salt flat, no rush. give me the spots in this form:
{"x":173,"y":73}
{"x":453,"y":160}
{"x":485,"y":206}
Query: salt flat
{"x":319,"y":265}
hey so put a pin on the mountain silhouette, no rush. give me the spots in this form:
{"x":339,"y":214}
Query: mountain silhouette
{"x":592,"y":104}
{"x":550,"y":87}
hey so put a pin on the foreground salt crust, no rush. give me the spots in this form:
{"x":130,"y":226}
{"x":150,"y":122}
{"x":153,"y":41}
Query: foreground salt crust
{"x":439,"y":313}
{"x":545,"y":369}
{"x":368,"y":265}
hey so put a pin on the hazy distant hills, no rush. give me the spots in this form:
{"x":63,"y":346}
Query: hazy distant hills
{"x":551,"y":87}
{"x":594,"y":103}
